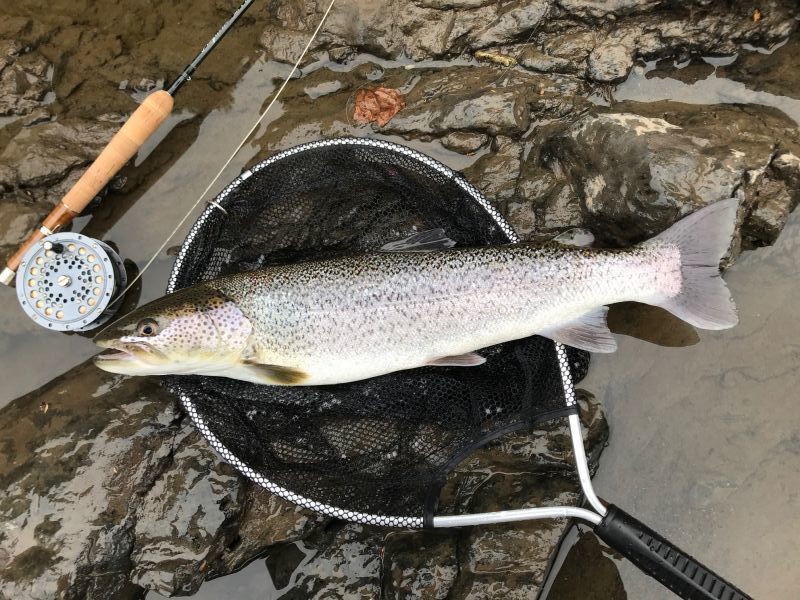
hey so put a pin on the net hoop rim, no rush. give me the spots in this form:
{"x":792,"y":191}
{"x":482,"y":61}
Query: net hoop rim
{"x":219,"y":202}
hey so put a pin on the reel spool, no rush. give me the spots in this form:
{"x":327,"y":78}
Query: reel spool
{"x":70,"y":282}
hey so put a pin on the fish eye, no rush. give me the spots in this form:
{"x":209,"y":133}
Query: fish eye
{"x":147,"y":327}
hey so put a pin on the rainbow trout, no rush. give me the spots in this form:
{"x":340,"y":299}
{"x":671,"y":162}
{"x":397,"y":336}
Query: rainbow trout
{"x":345,"y":319}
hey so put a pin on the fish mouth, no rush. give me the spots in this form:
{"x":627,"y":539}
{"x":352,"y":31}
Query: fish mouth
{"x":114,"y":356}
{"x":129,"y":358}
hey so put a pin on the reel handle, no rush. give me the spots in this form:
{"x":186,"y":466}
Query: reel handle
{"x":126,"y":142}
{"x":662,"y":560}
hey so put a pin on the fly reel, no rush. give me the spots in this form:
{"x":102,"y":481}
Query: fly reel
{"x":70,"y":282}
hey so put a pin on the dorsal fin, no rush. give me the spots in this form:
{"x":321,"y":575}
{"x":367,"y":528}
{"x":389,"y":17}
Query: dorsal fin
{"x":424,"y":241}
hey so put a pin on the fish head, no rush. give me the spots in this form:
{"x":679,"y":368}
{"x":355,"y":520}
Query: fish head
{"x":195,"y":330}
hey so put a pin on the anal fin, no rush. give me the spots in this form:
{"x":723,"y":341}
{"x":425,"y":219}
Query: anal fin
{"x":471,"y":359}
{"x":587,"y":332}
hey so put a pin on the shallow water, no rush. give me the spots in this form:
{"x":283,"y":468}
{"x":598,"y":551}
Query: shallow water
{"x":704,"y":444}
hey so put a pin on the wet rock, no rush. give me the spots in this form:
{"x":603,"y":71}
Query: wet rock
{"x":498,"y":171}
{"x":770,"y":213}
{"x":787,"y":168}
{"x":573,"y":46}
{"x":38,"y":166}
{"x":265,"y":521}
{"x":453,"y":4}
{"x":509,"y":561}
{"x":46,"y":152}
{"x":600,"y":39}
{"x":544,"y":201}
{"x":440,"y":103}
{"x":24,"y":79}
{"x":449,"y":104}
{"x":283,"y":44}
{"x":775,"y":193}
{"x":459,"y":99}
{"x":610,"y":62}
{"x":420,"y":565}
{"x":17,"y":222}
{"x":11,"y":26}
{"x":673,"y":164}
{"x":346,"y":562}
{"x":464,"y":142}
{"x":599,"y":9}
{"x":183,"y":516}
{"x":509,"y":22}
{"x":494,"y":112}
{"x":106,"y":488}
{"x":535,"y":60}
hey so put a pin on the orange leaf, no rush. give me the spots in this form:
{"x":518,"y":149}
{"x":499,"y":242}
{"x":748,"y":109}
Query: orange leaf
{"x":378,"y":105}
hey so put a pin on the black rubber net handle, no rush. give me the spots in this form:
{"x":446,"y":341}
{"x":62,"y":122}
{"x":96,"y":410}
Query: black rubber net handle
{"x":662,"y":560}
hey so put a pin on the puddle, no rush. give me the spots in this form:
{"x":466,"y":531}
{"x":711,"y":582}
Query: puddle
{"x":141,"y":221}
{"x":704,"y":439}
{"x":711,"y":90}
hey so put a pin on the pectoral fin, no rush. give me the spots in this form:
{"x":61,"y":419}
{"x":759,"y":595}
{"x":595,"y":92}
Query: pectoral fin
{"x":470,"y":359}
{"x":273,"y":374}
{"x":588,"y":332}
{"x":424,"y":241}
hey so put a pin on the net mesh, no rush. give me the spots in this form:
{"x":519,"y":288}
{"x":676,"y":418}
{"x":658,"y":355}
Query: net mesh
{"x":377,"y":450}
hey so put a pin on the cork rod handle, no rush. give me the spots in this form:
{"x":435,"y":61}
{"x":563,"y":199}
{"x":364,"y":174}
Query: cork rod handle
{"x":126,"y":142}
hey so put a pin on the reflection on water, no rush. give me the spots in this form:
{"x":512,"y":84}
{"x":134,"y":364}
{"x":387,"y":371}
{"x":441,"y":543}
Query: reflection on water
{"x":711,"y":90}
{"x":705,"y":440}
{"x":139,"y":222}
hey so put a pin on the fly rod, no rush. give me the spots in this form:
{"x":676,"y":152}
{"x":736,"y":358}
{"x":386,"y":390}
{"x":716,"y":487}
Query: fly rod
{"x":144,"y":121}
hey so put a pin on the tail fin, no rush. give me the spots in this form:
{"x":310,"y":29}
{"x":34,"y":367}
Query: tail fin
{"x":703,"y":238}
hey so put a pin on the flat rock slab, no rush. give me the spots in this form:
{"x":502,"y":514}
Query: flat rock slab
{"x":106,"y":487}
